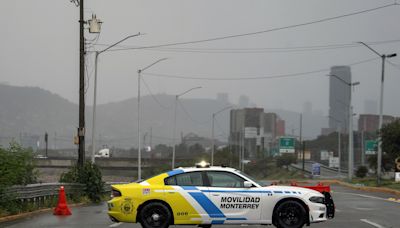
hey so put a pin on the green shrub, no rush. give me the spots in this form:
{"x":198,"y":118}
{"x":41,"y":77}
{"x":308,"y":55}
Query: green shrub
{"x":90,"y":175}
{"x":285,"y":160}
{"x":361,"y":171}
{"x":16,"y":168}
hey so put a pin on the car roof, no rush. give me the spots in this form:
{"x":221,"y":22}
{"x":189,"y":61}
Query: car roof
{"x":211,"y":168}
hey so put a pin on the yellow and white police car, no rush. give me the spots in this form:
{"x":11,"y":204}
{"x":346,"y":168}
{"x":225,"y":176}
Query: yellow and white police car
{"x":213,"y":195}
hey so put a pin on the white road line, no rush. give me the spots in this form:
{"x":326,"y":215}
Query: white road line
{"x":372,"y":223}
{"x":115,"y":224}
{"x":367,"y":196}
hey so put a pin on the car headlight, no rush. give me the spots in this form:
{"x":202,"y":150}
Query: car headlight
{"x":317,"y":199}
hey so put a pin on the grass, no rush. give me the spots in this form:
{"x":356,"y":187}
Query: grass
{"x":371,"y":182}
{"x":14,"y":207}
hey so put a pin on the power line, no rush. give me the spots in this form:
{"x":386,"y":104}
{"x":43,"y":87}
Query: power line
{"x":190,"y":116}
{"x":263,"y":31}
{"x":154,"y":97}
{"x":259,"y":49}
{"x":307,"y":73}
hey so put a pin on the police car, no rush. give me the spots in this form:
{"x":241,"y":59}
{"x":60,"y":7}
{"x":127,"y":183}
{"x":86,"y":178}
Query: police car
{"x":205,"y":195}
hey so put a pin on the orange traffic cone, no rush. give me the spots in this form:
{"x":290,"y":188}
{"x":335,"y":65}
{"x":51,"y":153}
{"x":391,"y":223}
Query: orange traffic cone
{"x":62,"y":207}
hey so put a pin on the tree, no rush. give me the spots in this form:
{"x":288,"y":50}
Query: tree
{"x":390,"y":134}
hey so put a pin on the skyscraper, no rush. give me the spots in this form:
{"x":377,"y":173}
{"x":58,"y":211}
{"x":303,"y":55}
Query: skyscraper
{"x":339,"y":97}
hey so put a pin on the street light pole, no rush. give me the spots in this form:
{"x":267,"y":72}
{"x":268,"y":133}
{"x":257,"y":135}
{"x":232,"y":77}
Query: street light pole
{"x":379,"y":157}
{"x":138,"y":117}
{"x":96,"y":57}
{"x":351,"y":152}
{"x":173,"y":138}
{"x":212,"y":133}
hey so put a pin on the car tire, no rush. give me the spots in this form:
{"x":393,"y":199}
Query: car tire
{"x":155,"y":215}
{"x":290,"y":214}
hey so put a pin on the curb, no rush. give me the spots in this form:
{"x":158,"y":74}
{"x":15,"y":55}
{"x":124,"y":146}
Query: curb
{"x":363,"y":188}
{"x":10,"y":218}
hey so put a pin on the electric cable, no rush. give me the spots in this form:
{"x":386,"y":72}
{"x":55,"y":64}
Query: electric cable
{"x":307,"y":73}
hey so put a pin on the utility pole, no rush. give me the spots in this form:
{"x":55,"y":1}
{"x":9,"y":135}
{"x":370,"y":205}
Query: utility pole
{"x":301,"y":141}
{"x":304,"y":149}
{"x":81,"y":129}
{"x":46,"y":140}
{"x":379,"y":156}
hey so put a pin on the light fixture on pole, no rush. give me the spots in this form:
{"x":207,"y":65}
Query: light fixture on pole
{"x":138,"y":117}
{"x":379,"y":157}
{"x":351,"y":147}
{"x":174,"y":130}
{"x":97,"y":53}
{"x":212,"y":132}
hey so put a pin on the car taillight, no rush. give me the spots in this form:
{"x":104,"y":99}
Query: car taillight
{"x":115,"y":193}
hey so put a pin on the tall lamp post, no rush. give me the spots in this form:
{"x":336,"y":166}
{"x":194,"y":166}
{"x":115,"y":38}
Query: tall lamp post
{"x":97,"y":53}
{"x":173,"y":138}
{"x":339,"y":129}
{"x":138,"y":117}
{"x":212,"y":132}
{"x":351,"y":152}
{"x":379,"y":159}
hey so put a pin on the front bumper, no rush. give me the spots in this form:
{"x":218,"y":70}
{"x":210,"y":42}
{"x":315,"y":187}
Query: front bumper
{"x":317,"y":212}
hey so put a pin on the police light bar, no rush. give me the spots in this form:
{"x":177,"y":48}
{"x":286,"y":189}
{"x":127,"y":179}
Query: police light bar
{"x":203,"y":164}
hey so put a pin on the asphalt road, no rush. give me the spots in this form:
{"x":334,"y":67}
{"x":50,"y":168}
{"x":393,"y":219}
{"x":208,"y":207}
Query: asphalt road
{"x":355,"y":209}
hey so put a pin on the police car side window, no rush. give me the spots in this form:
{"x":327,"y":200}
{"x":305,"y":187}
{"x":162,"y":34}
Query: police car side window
{"x":224,"y":180}
{"x":186,"y":179}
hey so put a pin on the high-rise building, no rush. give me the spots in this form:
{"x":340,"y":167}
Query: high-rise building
{"x":254,"y":130}
{"x":339,"y":97}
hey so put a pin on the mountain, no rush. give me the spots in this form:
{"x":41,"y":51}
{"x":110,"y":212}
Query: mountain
{"x":31,"y":111}
{"x":26,"y":113}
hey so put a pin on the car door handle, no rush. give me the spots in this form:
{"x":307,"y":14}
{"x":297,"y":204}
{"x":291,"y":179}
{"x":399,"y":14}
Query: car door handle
{"x":215,"y":194}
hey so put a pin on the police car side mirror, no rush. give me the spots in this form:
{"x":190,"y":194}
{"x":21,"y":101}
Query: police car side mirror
{"x":247,"y":184}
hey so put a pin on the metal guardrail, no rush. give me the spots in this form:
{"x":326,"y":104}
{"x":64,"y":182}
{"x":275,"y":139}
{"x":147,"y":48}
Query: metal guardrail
{"x":39,"y":192}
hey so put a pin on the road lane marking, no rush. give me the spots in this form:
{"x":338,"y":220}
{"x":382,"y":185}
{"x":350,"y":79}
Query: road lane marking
{"x":115,"y":224}
{"x":367,"y":196}
{"x":365,"y":208}
{"x":372,"y":223}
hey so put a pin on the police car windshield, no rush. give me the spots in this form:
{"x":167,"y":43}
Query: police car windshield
{"x":249,"y":177}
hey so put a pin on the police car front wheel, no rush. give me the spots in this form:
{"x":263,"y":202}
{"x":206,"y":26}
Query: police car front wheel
{"x":290,"y":214}
{"x":155,"y":215}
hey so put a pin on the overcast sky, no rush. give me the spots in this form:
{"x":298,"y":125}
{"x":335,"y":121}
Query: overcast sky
{"x":39,"y":47}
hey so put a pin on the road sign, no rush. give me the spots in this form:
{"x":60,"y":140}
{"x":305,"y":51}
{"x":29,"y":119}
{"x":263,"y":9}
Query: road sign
{"x":334,"y":162}
{"x":397,"y":177}
{"x":286,"y":145}
{"x":324,"y":155}
{"x":316,"y":169}
{"x":371,"y":146}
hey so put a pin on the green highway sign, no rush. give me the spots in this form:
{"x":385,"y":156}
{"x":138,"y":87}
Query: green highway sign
{"x":371,"y":146}
{"x":286,"y":145}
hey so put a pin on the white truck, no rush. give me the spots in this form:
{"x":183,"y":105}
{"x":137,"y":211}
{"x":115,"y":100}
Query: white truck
{"x":103,"y":153}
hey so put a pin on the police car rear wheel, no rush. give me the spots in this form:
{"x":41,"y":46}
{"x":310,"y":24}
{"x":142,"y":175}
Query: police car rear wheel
{"x":155,"y":215}
{"x":290,"y":214}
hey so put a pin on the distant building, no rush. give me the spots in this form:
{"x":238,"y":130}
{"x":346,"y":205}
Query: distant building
{"x":280,"y":127}
{"x":254,"y":129}
{"x":370,"y":123}
{"x":339,"y":97}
